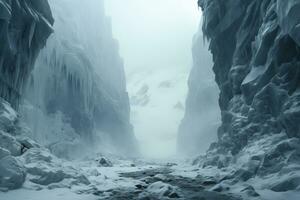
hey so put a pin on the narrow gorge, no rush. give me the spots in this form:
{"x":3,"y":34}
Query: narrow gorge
{"x":77,"y":122}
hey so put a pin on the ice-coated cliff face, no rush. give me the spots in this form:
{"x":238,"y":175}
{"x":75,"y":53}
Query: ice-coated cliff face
{"x":202,"y":114}
{"x":24,"y":29}
{"x":77,"y":94}
{"x":25,"y":26}
{"x":256,"y":54}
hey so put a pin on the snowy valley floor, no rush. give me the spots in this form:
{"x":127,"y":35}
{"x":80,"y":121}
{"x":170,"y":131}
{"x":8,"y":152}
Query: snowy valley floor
{"x":140,"y":179}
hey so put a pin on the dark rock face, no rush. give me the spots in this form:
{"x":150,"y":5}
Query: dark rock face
{"x":24,"y":29}
{"x":256,"y":54}
{"x":256,"y":67}
{"x":25,"y":26}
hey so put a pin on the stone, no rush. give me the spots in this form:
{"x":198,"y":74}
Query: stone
{"x":8,"y":116}
{"x":79,"y":179}
{"x":46,"y":177}
{"x":250,"y":191}
{"x":221,"y":187}
{"x":37,"y":155}
{"x":104,"y":162}
{"x":27,"y":142}
{"x":161,"y":177}
{"x":160,"y":190}
{"x":12,"y":173}
{"x":286,"y":184}
{"x":94,"y":172}
{"x":3,"y":153}
{"x":10,"y":143}
{"x":141,"y":186}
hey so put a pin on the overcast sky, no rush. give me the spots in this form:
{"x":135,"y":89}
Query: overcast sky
{"x":155,"y":40}
{"x":156,"y":33}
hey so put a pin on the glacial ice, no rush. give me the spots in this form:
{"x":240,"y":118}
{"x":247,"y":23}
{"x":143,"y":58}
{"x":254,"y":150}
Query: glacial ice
{"x":17,"y":58}
{"x":77,"y":89}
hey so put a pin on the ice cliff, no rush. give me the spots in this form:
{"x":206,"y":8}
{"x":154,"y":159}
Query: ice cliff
{"x":62,"y":90}
{"x":77,"y":93}
{"x":255,"y":47}
{"x":24,"y":29}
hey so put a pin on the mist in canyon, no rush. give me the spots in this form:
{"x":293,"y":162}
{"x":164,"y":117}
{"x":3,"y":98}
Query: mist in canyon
{"x":149,"y":100}
{"x":156,"y":43}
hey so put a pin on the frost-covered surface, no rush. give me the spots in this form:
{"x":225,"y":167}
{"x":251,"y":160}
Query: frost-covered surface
{"x":256,"y":56}
{"x":29,"y":171}
{"x":77,"y":95}
{"x":26,"y":164}
{"x":25,"y":27}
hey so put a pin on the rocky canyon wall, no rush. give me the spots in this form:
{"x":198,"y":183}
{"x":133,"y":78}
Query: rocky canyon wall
{"x":256,"y":55}
{"x":64,"y":76}
{"x":77,"y":93}
{"x":24,"y":29}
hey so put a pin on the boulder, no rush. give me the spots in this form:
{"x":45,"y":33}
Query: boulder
{"x":8,"y":116}
{"x":12,"y":173}
{"x":221,"y":187}
{"x":45,"y":176}
{"x":10,"y":143}
{"x":34,"y":155}
{"x":286,"y":184}
{"x":4,"y":153}
{"x":250,"y":191}
{"x":28,"y":143}
{"x":160,"y":190}
{"x":161,"y":177}
{"x":104,"y":162}
{"x":46,"y":169}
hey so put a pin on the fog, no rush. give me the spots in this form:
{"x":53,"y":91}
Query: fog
{"x":77,"y":94}
{"x":155,"y":39}
{"x":154,"y":34}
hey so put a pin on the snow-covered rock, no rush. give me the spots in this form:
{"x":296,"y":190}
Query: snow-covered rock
{"x":35,"y":155}
{"x":79,"y":85}
{"x":255,"y":47}
{"x":161,"y":177}
{"x":4,"y":153}
{"x":12,"y":173}
{"x":10,"y":143}
{"x":27,"y":143}
{"x":25,"y":27}
{"x":104,"y":162}
{"x":8,"y":116}
{"x":160,"y":190}
{"x":45,"y":169}
{"x":290,"y":183}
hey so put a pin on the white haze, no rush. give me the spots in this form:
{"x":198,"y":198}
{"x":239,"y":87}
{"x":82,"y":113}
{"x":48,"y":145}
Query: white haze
{"x":155,"y":41}
{"x":80,"y":47}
